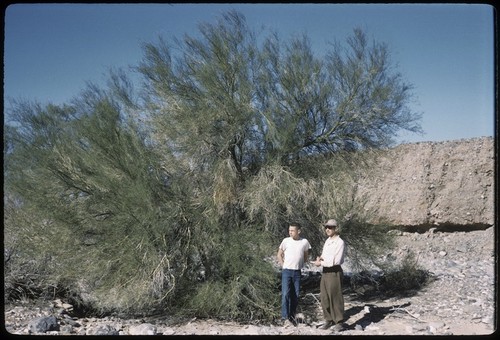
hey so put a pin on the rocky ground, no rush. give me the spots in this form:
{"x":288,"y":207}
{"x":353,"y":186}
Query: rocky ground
{"x":459,"y":300}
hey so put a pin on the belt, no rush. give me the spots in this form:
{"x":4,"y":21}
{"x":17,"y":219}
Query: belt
{"x":334,"y":269}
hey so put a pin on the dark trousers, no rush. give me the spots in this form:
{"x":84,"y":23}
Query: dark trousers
{"x":290,"y":289}
{"x":332,"y":300}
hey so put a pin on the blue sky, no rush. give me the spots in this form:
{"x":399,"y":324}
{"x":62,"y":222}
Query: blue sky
{"x":446,"y":51}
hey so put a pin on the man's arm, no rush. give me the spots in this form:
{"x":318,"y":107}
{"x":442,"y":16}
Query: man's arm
{"x":280,"y":256}
{"x":338,"y":258}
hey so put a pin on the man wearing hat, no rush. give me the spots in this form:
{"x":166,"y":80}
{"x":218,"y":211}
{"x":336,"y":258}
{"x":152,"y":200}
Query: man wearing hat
{"x":332,"y":300}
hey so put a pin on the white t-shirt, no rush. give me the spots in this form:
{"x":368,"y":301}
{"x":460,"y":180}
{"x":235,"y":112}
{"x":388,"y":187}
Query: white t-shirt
{"x":293,"y":251}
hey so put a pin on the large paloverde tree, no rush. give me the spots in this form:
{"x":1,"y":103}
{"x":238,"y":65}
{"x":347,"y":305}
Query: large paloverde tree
{"x":252,"y":116}
{"x":176,"y":197}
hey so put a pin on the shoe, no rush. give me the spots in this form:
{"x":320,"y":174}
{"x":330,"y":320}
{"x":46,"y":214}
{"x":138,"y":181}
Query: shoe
{"x":287,"y":323}
{"x":338,"y":327}
{"x":326,"y":325}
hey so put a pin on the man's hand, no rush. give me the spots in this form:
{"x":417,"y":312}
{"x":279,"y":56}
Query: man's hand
{"x":317,"y":263}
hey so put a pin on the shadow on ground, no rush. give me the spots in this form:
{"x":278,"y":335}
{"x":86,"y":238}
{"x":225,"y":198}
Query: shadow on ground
{"x":363,"y":298}
{"x":373,"y":314}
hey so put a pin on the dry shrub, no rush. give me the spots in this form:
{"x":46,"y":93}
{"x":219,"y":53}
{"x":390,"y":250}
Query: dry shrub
{"x":239,"y":285}
{"x":404,"y":277}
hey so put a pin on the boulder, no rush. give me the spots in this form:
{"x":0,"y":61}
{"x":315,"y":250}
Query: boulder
{"x":43,"y":324}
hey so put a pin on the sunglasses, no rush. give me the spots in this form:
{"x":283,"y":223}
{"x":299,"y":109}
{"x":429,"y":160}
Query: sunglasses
{"x":329,"y":227}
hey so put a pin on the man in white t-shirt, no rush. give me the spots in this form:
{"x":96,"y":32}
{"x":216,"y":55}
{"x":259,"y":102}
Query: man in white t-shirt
{"x":293,"y":252}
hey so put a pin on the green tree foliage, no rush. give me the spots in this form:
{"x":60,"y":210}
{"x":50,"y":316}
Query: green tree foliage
{"x":175,"y":197}
{"x":96,"y":187}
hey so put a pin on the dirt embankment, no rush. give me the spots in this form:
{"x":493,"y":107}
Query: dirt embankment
{"x":446,"y":185}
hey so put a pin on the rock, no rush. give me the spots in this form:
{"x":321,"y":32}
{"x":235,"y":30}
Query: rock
{"x":43,"y":324}
{"x":143,"y":329}
{"x":66,"y":329}
{"x":59,"y":304}
{"x":433,"y":327}
{"x":167,"y":331}
{"x":102,"y":330}
{"x":372,"y":327}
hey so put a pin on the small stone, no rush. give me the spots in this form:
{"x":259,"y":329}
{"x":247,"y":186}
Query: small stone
{"x":66,"y":329}
{"x":142,"y":329}
{"x":102,"y":330}
{"x":437,"y":324}
{"x":168,"y":331}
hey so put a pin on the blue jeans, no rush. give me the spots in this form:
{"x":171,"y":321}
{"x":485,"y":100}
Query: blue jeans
{"x":290,"y":289}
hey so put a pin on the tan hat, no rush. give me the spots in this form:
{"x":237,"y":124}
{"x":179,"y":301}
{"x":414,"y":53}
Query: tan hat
{"x":331,"y":223}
